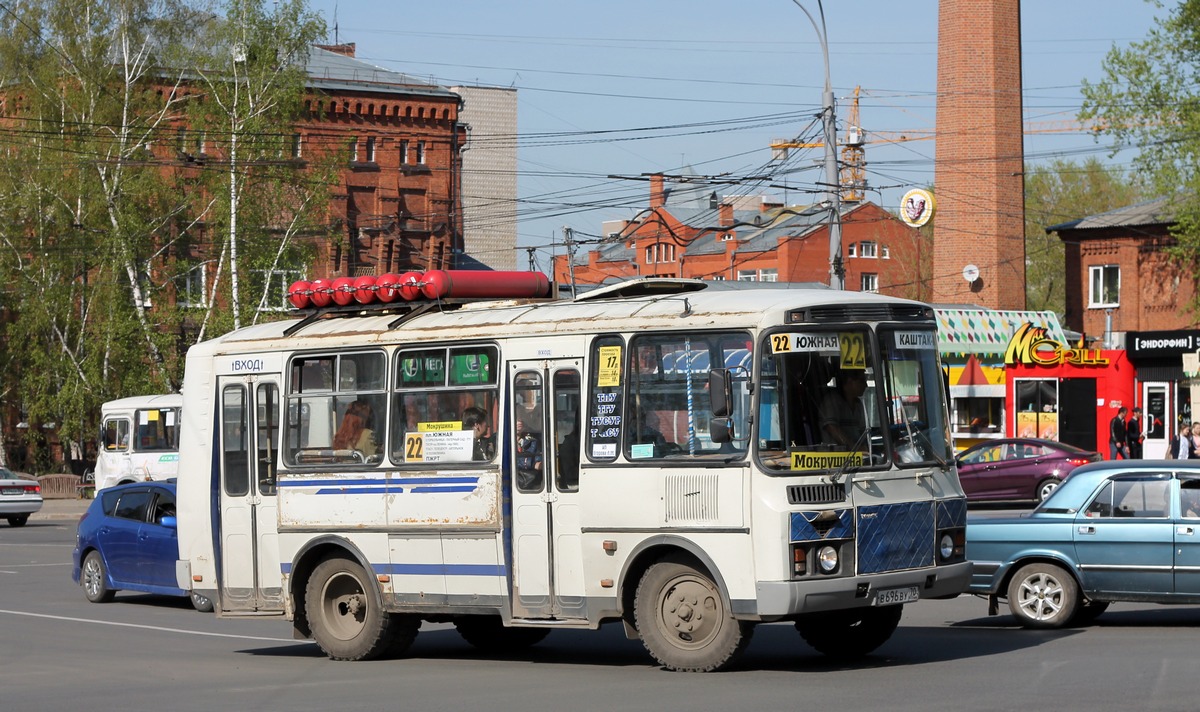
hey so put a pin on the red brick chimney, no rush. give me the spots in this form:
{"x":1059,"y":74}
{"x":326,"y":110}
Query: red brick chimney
{"x":978,"y":161}
{"x":657,"y":199}
{"x":345,"y":49}
{"x":725,"y":219}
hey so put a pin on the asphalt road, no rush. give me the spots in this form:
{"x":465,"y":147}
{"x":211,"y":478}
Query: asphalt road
{"x":57,"y":651}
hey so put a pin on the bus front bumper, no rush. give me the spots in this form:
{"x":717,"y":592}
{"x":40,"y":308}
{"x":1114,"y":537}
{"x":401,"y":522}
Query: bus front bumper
{"x":782,"y":599}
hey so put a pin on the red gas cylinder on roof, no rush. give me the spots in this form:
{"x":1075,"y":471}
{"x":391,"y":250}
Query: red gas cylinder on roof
{"x":466,"y":284}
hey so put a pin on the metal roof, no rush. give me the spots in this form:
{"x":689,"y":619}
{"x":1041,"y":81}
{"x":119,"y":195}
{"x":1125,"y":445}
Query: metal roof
{"x":337,"y":72}
{"x":1151,"y":212}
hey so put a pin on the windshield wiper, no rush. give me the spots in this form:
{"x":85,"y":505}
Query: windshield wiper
{"x":844,"y":470}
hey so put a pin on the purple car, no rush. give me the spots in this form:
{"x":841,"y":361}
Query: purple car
{"x":1018,"y":468}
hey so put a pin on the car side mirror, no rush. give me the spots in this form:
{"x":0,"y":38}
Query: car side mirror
{"x":169,"y":521}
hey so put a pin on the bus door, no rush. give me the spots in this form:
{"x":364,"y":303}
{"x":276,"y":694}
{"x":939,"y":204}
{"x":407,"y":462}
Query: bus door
{"x":249,"y":442}
{"x":543,"y":436}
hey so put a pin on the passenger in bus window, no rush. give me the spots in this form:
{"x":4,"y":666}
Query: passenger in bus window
{"x":568,"y":457}
{"x":485,"y":440}
{"x":841,"y":413}
{"x":354,"y":433}
{"x":529,"y":457}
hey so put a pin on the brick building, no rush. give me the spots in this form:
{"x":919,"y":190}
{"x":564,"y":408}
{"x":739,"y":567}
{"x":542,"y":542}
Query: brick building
{"x":398,"y":204}
{"x":686,"y":231}
{"x":1124,"y":292}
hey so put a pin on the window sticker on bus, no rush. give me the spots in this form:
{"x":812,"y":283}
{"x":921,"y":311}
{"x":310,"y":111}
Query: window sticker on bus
{"x":825,"y":460}
{"x":926,"y":340}
{"x":604,"y":451}
{"x":790,"y":343}
{"x":439,"y":446}
{"x":609,"y":373}
{"x":441,"y":426}
{"x":641,"y":450}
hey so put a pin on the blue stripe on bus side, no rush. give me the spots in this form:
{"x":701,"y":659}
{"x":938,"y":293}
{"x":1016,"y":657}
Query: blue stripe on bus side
{"x":407,"y":482}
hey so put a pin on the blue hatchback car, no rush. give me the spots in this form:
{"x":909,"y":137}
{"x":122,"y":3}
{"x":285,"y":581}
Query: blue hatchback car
{"x":127,"y":541}
{"x":1124,"y":530}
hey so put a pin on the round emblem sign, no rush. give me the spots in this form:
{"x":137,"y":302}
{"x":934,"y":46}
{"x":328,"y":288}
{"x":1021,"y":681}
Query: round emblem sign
{"x":916,"y":208}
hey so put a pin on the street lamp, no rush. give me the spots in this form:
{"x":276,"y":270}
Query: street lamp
{"x":832,"y":193}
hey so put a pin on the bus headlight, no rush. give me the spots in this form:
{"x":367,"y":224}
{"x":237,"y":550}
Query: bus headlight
{"x":946,"y":546}
{"x":827,"y":559}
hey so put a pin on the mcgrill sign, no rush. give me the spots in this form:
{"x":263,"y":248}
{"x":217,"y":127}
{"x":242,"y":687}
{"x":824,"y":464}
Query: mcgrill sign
{"x":1031,"y":346}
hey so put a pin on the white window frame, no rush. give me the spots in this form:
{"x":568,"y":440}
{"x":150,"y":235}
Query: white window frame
{"x":768,"y":275}
{"x":370,"y":149}
{"x":420,"y":153}
{"x":286,"y":277}
{"x":747,"y":275}
{"x":297,"y":146}
{"x":869,"y":282}
{"x":354,"y":149}
{"x":852,"y":250}
{"x":1098,"y":297}
{"x":404,"y":153}
{"x":868,"y":250}
{"x":885,"y":252}
{"x":192,"y":290}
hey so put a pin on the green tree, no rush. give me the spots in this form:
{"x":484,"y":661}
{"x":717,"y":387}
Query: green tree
{"x":1060,"y":192}
{"x":1149,"y":99}
{"x":253,"y":76}
{"x":100,"y":219}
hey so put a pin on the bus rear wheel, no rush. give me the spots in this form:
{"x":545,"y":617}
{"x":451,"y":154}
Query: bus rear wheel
{"x":849,"y":634}
{"x":488,"y":633}
{"x":346,"y":614}
{"x":684,"y":621}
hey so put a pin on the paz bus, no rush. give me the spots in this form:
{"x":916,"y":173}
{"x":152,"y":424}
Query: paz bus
{"x":139,"y":440}
{"x":655,"y":452}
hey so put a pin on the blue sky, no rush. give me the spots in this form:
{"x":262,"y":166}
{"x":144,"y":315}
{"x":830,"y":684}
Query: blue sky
{"x":623,"y":88}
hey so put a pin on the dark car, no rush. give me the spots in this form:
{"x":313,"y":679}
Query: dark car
{"x":127,"y":541}
{"x":1018,"y":468}
{"x":1114,"y":531}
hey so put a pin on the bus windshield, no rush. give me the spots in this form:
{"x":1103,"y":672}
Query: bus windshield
{"x":846,"y":396}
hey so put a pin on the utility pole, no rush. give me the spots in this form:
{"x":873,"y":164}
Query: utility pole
{"x":833,"y":199}
{"x":569,"y":239}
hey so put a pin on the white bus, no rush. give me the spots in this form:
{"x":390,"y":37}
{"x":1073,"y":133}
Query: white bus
{"x":139,"y":440}
{"x":659,"y":453}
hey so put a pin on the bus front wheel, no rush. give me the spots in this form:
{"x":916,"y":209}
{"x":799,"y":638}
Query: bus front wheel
{"x":684,"y":621}
{"x":345,"y":613}
{"x":851,"y":633}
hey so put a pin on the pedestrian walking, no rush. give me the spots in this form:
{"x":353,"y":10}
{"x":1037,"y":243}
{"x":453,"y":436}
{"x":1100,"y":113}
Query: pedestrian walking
{"x":1134,"y":436}
{"x":1118,"y":435}
{"x":1180,"y":447}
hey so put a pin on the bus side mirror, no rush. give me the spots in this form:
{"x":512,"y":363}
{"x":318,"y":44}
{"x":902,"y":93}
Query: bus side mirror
{"x":721,"y":429}
{"x":720,"y":391}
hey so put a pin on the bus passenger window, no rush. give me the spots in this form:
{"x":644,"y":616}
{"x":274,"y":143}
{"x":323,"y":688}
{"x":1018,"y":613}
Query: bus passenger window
{"x":445,"y":406}
{"x":337,"y":409}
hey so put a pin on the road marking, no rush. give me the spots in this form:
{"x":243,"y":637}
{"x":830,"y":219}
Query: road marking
{"x":147,"y":627}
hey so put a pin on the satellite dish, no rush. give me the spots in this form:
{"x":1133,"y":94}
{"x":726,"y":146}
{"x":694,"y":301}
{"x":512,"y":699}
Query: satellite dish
{"x":970,"y":273}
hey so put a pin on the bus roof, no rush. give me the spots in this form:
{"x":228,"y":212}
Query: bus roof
{"x":654,"y":304}
{"x":166,"y":400}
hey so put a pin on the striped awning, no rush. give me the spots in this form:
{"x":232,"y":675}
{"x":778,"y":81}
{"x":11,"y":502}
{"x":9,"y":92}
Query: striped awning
{"x":987,"y":331}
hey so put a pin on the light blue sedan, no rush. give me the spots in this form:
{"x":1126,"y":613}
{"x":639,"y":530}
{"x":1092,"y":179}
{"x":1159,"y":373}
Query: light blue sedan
{"x":1125,"y":530}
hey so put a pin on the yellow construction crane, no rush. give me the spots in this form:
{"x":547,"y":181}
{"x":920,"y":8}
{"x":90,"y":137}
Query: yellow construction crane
{"x":852,"y":174}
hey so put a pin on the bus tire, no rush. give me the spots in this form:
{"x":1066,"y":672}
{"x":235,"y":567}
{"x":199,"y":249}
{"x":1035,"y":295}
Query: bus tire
{"x":684,"y":621}
{"x":344,"y":610}
{"x":488,"y":633}
{"x":403,"y":633}
{"x":851,"y":633}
